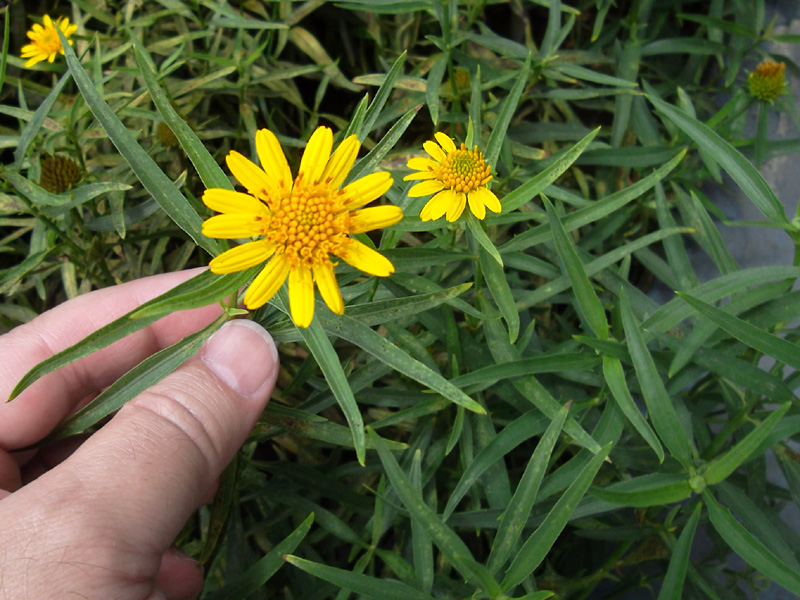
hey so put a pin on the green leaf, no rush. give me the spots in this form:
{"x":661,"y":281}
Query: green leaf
{"x":512,"y":435}
{"x":746,"y":545}
{"x":254,"y":578}
{"x":432,"y":85}
{"x":327,"y":359}
{"x":722,"y":466}
{"x":737,"y":166}
{"x":501,"y":293}
{"x":750,"y":335}
{"x":589,"y":305}
{"x":515,"y":517}
{"x":672,"y":587}
{"x":33,"y":126}
{"x":539,"y":182}
{"x":146,"y":170}
{"x":507,"y":110}
{"x":656,"y":489}
{"x":615,"y":379}
{"x":475,"y":228}
{"x":659,"y":405}
{"x":207,"y":168}
{"x":371,"y":587}
{"x":381,"y":96}
{"x":108,"y":334}
{"x":537,"y":546}
{"x":450,"y":545}
{"x":148,"y":372}
{"x":356,"y":332}
{"x":368,"y":164}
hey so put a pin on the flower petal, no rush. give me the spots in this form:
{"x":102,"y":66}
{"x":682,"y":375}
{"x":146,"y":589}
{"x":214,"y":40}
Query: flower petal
{"x":445,"y":141}
{"x":232,"y":227}
{"x":488,"y":198}
{"x":341,"y":162}
{"x":329,"y":287}
{"x":230,"y":202}
{"x":273,"y":160}
{"x":438,"y":205}
{"x":251,"y":176}
{"x":476,"y":205}
{"x":366,"y":259}
{"x":456,"y":208}
{"x":420,"y":175}
{"x":435,"y":151}
{"x":425,"y":188}
{"x":420,"y":163}
{"x":242,"y":257}
{"x":267,"y":282}
{"x":316,"y":155}
{"x":301,"y":295}
{"x":376,"y":217}
{"x":366,"y":189}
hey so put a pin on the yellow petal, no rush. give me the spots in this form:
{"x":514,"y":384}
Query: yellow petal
{"x":376,"y":217}
{"x":242,"y":257}
{"x":420,"y":163}
{"x":272,"y":158}
{"x":425,"y":188}
{"x":230,"y":202}
{"x":477,"y":207}
{"x":267,"y":282}
{"x":366,"y":259}
{"x":435,"y":151}
{"x":438,"y":205}
{"x":420,"y":175}
{"x":445,"y":141}
{"x":365,"y":190}
{"x":301,"y":295}
{"x":456,"y":208}
{"x":329,"y":287}
{"x":341,"y":162}
{"x":47,"y":21}
{"x":488,"y":198}
{"x":232,"y":227}
{"x":316,"y":155}
{"x":251,"y":176}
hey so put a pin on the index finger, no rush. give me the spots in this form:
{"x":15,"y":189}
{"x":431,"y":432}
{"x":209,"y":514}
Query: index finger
{"x":49,"y":400}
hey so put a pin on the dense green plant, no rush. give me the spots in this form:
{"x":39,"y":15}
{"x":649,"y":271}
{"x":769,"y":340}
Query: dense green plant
{"x":536,"y":424}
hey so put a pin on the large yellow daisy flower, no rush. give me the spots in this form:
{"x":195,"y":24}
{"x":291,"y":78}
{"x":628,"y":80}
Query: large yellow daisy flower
{"x":456,"y":176}
{"x":299,"y":222}
{"x":45,"y":43}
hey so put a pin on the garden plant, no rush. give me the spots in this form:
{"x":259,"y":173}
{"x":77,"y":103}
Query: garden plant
{"x":473,"y":229}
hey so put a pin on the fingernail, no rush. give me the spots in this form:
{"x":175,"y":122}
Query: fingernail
{"x":243,"y":355}
{"x":180,"y":555}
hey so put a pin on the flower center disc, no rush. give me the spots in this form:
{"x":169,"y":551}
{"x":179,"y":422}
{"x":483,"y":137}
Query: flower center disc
{"x":49,"y":42}
{"x":464,"y":170}
{"x":308,"y":226}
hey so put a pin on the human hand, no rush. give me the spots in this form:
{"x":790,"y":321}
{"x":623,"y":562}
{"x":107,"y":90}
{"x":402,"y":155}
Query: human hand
{"x":100,"y":523}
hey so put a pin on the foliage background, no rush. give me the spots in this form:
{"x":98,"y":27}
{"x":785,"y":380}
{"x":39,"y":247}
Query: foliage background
{"x":622,"y":436}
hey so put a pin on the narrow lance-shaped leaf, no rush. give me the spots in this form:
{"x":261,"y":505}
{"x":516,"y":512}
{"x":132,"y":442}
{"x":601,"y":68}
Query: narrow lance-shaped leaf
{"x":381,"y":96}
{"x":763,"y":341}
{"x":672,"y":587}
{"x":146,"y":170}
{"x":746,"y":545}
{"x":501,"y":293}
{"x":516,"y":515}
{"x":722,"y":466}
{"x":537,"y":546}
{"x":118,"y":329}
{"x":737,"y":166}
{"x":33,"y":126}
{"x":209,"y":171}
{"x":507,"y":110}
{"x":659,"y":404}
{"x":588,"y":303}
{"x":148,"y":372}
{"x":450,"y":545}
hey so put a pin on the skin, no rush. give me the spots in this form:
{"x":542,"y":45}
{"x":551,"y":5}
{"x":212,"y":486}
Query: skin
{"x":96,"y":518}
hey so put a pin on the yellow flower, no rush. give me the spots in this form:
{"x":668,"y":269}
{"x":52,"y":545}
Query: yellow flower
{"x":456,"y":176}
{"x":768,"y":80}
{"x":299,"y":222}
{"x":45,"y":43}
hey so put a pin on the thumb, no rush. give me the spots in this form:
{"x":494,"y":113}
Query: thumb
{"x":129,"y":489}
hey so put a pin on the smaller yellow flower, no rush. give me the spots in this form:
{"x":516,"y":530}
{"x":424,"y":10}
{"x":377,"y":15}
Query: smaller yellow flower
{"x":768,"y":81}
{"x":45,"y":43}
{"x":456,"y":176}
